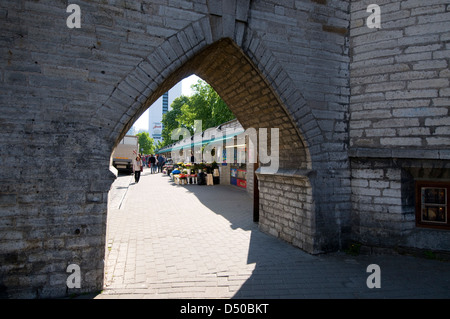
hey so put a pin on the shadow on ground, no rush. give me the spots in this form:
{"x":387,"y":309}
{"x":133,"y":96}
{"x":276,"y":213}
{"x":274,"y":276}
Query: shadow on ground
{"x":283,"y":271}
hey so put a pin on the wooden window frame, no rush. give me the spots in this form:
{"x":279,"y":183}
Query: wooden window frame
{"x":432,"y":184}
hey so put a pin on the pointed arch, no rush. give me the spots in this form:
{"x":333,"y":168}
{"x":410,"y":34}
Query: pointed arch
{"x":248,"y":77}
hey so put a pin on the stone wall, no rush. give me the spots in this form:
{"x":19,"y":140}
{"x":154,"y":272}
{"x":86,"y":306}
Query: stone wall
{"x":378,"y":213}
{"x":310,"y":39}
{"x":287,"y":209}
{"x":69,"y":95}
{"x":383,"y":196}
{"x":340,"y":93}
{"x":399,"y":77}
{"x":399,"y":118}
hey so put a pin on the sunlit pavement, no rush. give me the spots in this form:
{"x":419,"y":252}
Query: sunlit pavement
{"x":192,"y":241}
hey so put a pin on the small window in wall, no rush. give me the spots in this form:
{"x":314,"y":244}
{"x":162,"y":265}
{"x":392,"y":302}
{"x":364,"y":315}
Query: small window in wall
{"x":432,"y":204}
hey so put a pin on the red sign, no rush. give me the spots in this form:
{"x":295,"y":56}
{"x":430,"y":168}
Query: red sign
{"x":241,"y":183}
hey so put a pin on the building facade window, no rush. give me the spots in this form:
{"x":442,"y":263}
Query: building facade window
{"x":432,"y":204}
{"x":165,"y":103}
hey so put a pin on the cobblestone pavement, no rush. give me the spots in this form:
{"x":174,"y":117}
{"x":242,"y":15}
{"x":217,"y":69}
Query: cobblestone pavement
{"x":191,"y":241}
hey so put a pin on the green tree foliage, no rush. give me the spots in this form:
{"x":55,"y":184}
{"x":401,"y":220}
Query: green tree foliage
{"x":159,"y":145}
{"x":146,"y":143}
{"x":205,"y":105}
{"x":170,"y":119}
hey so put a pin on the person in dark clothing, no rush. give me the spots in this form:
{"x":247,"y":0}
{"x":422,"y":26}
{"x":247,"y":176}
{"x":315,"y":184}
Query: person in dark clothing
{"x":160,"y":163}
{"x":152,"y":163}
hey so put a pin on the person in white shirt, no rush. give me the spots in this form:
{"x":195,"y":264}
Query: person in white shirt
{"x":137,"y":168}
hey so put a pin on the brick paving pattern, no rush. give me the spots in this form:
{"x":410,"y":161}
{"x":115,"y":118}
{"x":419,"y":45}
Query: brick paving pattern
{"x":190,"y":241}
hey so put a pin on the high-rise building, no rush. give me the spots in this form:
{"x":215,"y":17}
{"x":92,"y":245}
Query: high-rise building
{"x":165,"y":102}
{"x":160,"y":107}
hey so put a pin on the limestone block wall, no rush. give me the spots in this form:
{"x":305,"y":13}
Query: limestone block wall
{"x":310,"y":39}
{"x":287,"y":209}
{"x":67,"y":96}
{"x":399,"y":118}
{"x":383,"y":197}
{"x":351,"y":103}
{"x":54,"y":179}
{"x":378,"y":213}
{"x":399,"y":77}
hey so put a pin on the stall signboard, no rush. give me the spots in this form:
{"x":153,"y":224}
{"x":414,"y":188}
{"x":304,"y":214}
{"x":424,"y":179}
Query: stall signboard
{"x":241,"y":173}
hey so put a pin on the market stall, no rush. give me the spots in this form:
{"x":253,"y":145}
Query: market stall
{"x":195,"y":173}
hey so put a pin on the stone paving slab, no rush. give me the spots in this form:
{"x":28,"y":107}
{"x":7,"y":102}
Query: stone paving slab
{"x":191,"y":241}
{"x":118,"y":191}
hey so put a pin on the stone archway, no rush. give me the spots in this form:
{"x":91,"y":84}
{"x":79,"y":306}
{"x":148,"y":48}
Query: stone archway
{"x":248,"y":86}
{"x":287,"y":209}
{"x":76,"y":113}
{"x":69,"y":94}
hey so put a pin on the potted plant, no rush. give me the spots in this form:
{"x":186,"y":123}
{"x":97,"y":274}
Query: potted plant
{"x":180,"y":165}
{"x":188,"y":167}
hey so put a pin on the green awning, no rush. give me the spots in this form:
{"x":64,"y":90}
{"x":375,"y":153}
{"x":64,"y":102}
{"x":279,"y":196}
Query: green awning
{"x":204,"y":142}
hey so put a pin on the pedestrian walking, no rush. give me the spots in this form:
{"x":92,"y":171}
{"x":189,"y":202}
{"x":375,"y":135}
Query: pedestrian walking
{"x":164,"y":160}
{"x":137,"y":168}
{"x":160,"y":163}
{"x":152,"y":163}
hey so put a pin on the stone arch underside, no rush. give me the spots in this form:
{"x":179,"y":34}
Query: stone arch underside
{"x":231,"y":73}
{"x":260,"y":94}
{"x":247,"y":94}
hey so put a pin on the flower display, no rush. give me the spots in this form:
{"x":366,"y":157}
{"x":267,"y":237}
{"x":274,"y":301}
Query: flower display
{"x":194,"y":167}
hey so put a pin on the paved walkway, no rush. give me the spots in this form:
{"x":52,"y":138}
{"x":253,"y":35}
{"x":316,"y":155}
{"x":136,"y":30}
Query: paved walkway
{"x":191,"y":241}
